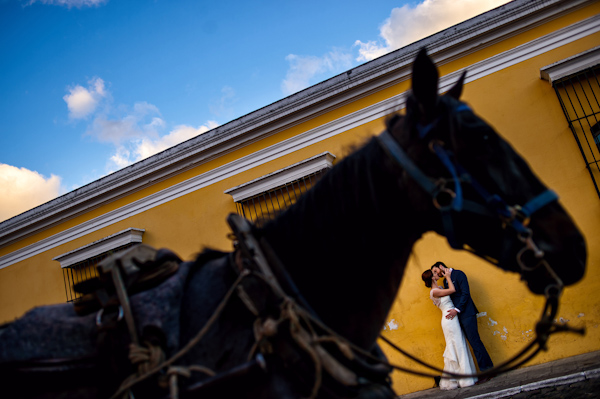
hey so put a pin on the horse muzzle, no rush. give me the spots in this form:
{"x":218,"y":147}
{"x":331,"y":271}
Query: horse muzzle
{"x":546,"y":267}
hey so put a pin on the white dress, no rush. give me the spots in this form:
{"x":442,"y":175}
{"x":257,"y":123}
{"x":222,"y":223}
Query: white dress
{"x":457,"y":356}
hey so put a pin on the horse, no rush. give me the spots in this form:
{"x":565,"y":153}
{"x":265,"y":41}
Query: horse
{"x":296,"y":309}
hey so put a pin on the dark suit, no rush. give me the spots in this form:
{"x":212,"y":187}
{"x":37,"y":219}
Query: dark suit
{"x":467,"y":317}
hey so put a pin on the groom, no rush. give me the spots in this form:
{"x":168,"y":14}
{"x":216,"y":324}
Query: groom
{"x":466,"y":311}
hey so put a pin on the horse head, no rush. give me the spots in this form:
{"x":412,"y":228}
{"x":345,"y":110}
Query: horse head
{"x":476,"y":190}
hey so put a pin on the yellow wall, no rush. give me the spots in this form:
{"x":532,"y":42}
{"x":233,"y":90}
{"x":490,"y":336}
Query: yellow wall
{"x":536,"y":126}
{"x":523,"y":108}
{"x":186,"y":224}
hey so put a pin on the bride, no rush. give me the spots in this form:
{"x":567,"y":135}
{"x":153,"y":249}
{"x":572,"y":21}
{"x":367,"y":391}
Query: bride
{"x":457,"y":356}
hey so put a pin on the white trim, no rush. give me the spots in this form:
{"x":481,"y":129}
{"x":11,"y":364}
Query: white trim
{"x":476,"y":71}
{"x":101,"y":246}
{"x":457,"y":41}
{"x":571,"y":65}
{"x":537,"y":385}
{"x":281,"y":177}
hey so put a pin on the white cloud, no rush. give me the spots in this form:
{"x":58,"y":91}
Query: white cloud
{"x":148,"y":147}
{"x":22,"y":189}
{"x":120,"y":158}
{"x":135,"y":132}
{"x":81,"y":101}
{"x":130,"y":124}
{"x":304,"y":70}
{"x":71,"y":3}
{"x":143,"y":147}
{"x":115,"y":130}
{"x":223,"y":106}
{"x":408,"y":24}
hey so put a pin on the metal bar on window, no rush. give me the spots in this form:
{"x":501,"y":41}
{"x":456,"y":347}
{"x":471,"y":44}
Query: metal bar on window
{"x":255,"y":212}
{"x":275,"y":200}
{"x":582,"y":97}
{"x":65,"y":278}
{"x":304,"y":182}
{"x":85,"y":270}
{"x":287,"y":190}
{"x":264,"y":199}
{"x":272,"y":204}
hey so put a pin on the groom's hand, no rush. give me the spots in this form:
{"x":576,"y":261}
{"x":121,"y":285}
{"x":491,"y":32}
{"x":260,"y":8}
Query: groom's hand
{"x":451,"y":314}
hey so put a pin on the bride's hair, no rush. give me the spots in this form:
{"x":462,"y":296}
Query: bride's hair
{"x":426,"y":276}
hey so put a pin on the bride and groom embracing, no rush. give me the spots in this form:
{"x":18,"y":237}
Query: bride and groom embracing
{"x":459,"y":320}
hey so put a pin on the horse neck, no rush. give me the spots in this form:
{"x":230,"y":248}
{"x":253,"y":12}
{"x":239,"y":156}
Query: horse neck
{"x":345,"y":243}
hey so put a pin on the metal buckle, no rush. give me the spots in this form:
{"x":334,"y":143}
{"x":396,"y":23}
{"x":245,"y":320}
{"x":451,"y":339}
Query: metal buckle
{"x":443,"y":197}
{"x":446,"y":195}
{"x":517,"y":214}
{"x":432,"y":143}
{"x":526,"y":238}
{"x":101,"y":313}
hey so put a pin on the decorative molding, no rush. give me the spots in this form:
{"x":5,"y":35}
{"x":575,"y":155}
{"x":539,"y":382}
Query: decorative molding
{"x":476,"y":71}
{"x":465,"y":38}
{"x":570,"y":66}
{"x":101,"y":246}
{"x":281,"y":177}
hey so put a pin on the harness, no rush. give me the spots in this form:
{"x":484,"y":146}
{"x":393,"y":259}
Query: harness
{"x":448,"y":201}
{"x":340,"y":368}
{"x":319,"y":357}
{"x":288,"y":333}
{"x":514,"y":218}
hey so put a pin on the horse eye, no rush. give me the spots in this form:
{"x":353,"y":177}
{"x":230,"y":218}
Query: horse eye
{"x":485,"y":137}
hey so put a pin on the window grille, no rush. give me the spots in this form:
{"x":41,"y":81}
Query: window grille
{"x":85,"y":270}
{"x":267,"y":205}
{"x":579,"y":96}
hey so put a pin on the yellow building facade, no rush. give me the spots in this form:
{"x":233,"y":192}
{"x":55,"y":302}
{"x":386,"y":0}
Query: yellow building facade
{"x":518,"y":58}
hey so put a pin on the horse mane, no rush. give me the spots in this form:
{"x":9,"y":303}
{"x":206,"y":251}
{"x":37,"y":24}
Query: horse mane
{"x":346,"y":196}
{"x":342,"y":237}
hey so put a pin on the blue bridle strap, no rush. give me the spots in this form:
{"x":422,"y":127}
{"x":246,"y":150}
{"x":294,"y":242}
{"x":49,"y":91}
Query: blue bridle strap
{"x":539,"y":202}
{"x":503,"y":209}
{"x":493,"y":204}
{"x":444,"y":157}
{"x":424,"y":130}
{"x":398,"y":154}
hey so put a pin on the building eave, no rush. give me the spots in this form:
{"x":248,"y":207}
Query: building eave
{"x":390,"y":69}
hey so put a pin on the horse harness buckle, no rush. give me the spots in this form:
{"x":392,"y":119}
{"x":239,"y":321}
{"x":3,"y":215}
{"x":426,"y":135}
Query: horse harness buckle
{"x":255,"y":256}
{"x":119,"y":276}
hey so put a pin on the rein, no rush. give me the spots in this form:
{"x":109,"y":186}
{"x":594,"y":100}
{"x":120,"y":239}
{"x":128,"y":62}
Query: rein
{"x":337,"y":365}
{"x":329,"y":353}
{"x":516,"y":217}
{"x":350,"y":366}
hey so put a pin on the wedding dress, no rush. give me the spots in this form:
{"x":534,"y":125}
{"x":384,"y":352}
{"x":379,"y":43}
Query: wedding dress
{"x":457,"y":356}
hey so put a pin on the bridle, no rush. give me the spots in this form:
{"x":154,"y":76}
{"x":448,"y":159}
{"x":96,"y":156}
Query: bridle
{"x":449,"y":201}
{"x":260,"y":261}
{"x":514,"y":218}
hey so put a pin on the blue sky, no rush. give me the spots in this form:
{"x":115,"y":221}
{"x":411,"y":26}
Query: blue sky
{"x":91,"y":86}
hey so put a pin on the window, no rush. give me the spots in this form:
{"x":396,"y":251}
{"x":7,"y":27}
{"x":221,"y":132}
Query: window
{"x":80,"y":265}
{"x":261,"y":199}
{"x":576,"y":83}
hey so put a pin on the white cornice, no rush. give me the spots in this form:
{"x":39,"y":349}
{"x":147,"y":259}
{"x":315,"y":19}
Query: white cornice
{"x":452,"y":43}
{"x":571,"y":65}
{"x":12,"y":231}
{"x":101,"y":246}
{"x":282,"y":177}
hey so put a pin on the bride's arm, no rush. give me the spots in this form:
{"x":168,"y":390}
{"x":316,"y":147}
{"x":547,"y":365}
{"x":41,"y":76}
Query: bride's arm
{"x":438,"y":293}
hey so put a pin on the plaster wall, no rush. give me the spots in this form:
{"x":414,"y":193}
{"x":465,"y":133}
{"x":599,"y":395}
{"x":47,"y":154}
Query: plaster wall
{"x":522,"y":107}
{"x":526,"y":111}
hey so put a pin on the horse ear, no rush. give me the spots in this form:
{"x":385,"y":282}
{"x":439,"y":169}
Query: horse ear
{"x":425,"y":83}
{"x":456,"y":90}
